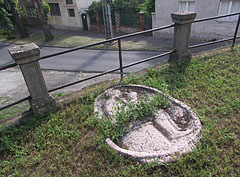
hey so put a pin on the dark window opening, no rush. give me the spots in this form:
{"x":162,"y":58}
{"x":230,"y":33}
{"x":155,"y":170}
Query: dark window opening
{"x":71,"y":12}
{"x":54,"y":9}
{"x":69,"y":2}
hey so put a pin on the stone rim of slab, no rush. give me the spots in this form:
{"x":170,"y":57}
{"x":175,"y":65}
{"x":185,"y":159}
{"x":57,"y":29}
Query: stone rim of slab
{"x":160,"y":157}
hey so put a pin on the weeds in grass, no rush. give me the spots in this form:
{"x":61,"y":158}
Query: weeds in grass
{"x":67,"y":142}
{"x":12,"y":111}
{"x":127,"y":114}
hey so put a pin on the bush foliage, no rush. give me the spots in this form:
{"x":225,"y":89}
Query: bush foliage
{"x":126,"y":6}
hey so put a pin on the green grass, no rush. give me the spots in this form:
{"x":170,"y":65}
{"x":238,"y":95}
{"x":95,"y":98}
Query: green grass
{"x":11,"y":111}
{"x":67,"y":143}
{"x":63,"y":40}
{"x":127,"y":114}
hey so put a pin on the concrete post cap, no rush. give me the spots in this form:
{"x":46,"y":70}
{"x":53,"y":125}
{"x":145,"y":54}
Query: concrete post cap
{"x":183,"y":17}
{"x":25,"y":53}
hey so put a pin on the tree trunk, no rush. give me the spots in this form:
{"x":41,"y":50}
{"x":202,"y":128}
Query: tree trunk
{"x":20,"y":27}
{"x":43,"y":20}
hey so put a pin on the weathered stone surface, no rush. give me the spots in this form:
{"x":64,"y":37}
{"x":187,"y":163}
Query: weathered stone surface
{"x":26,"y":56}
{"x":25,"y":53}
{"x":182,"y":32}
{"x":172,"y":131}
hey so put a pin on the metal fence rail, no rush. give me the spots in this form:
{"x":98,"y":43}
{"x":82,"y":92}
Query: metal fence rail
{"x":16,"y":102}
{"x":113,"y":70}
{"x":215,"y":17}
{"x":106,"y":41}
{"x":213,"y":42}
{"x":120,"y":53}
{"x":8,"y":66}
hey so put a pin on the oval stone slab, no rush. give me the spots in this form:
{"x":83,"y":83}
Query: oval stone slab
{"x":170,"y":133}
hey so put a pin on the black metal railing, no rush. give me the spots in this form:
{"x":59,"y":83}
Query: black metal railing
{"x":121,"y":67}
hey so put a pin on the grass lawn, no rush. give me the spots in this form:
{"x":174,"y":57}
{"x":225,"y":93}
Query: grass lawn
{"x":63,"y":40}
{"x":68,"y":143}
{"x":13,"y":110}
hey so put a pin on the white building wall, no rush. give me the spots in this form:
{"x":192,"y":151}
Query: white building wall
{"x":82,"y":5}
{"x":214,"y":29}
{"x":65,"y":21}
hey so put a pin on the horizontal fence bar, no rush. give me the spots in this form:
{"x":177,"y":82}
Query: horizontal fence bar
{"x":7,"y":66}
{"x":148,"y":59}
{"x":126,"y":66}
{"x":215,"y":17}
{"x":106,"y":41}
{"x":213,"y":42}
{"x":14,"y":103}
{"x":131,"y":35}
{"x":82,"y":80}
{"x":110,"y":71}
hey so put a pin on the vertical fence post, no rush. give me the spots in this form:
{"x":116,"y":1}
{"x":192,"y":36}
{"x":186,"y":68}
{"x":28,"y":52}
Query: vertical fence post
{"x":120,"y":58}
{"x":26,"y":56}
{"x":236,"y":31}
{"x":182,"y":32}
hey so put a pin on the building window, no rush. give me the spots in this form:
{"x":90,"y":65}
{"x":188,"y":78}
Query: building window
{"x":31,"y":12}
{"x":69,"y":2}
{"x":228,"y":7}
{"x":186,"y":6}
{"x":54,"y":9}
{"x":71,"y":13}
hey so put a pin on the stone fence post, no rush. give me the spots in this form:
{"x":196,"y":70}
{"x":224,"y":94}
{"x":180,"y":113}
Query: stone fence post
{"x":182,"y":32}
{"x":88,"y":21}
{"x":26,"y":56}
{"x":153,"y":19}
{"x":141,"y":21}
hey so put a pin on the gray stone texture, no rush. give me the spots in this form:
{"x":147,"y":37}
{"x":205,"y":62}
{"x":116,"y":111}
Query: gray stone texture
{"x":182,"y":33}
{"x":26,"y":56}
{"x":170,"y":133}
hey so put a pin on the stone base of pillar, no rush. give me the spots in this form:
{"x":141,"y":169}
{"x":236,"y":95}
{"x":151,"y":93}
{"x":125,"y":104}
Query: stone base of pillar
{"x":43,"y":106}
{"x":180,"y":58}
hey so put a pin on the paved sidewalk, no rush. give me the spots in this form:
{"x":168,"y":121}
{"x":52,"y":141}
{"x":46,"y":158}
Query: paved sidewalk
{"x":93,"y":34}
{"x":163,"y":42}
{"x":14,"y":87}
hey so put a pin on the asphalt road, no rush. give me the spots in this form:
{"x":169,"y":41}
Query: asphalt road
{"x":86,"y":60}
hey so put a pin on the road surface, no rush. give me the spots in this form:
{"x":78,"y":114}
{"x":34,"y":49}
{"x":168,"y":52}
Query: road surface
{"x":86,"y":60}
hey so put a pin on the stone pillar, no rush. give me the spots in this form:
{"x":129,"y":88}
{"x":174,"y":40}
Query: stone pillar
{"x":26,"y":56}
{"x":153,"y":22}
{"x":182,"y":32}
{"x":98,"y":23}
{"x":88,"y":21}
{"x":141,"y":21}
{"x":153,"y":19}
{"x":117,"y":21}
